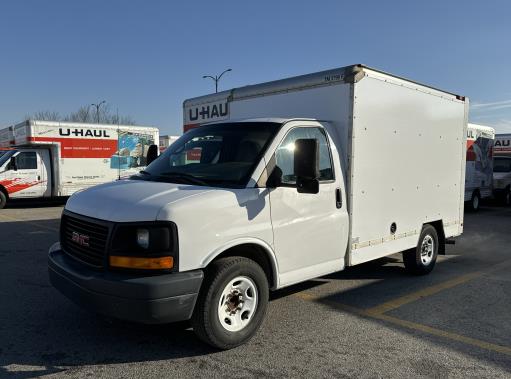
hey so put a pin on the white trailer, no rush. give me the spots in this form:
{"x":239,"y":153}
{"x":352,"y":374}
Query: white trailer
{"x":50,"y":159}
{"x":166,"y":141}
{"x":479,"y":170}
{"x":6,"y":137}
{"x":503,"y":145}
{"x":272,"y":184}
{"x":502,"y":168}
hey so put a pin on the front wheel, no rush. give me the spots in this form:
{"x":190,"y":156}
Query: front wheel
{"x":3,"y":200}
{"x":232,"y":302}
{"x":422,"y":259}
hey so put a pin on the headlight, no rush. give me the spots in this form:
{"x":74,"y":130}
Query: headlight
{"x":143,"y":238}
{"x":146,"y":245}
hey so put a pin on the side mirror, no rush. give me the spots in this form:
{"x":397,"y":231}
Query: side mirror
{"x":152,"y":154}
{"x":306,"y":165}
{"x":12,"y":164}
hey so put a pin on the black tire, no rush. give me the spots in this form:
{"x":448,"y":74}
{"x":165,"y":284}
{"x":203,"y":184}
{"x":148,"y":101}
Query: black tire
{"x":475,"y":201}
{"x":415,"y":262}
{"x":506,"y":198}
{"x":3,"y":200}
{"x":205,"y":320}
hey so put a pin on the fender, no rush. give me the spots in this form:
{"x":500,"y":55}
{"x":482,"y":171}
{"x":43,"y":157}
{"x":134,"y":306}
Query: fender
{"x":246,"y":240}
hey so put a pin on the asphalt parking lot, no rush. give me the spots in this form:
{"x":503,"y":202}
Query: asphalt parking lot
{"x":371,"y":320}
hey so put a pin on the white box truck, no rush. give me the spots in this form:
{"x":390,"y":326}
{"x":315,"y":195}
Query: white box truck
{"x":479,"y":170}
{"x":6,"y":137}
{"x":502,"y":169}
{"x":50,"y":159}
{"x":166,"y":141}
{"x":272,"y":185}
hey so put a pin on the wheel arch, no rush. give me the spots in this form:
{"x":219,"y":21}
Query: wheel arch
{"x":257,"y":250}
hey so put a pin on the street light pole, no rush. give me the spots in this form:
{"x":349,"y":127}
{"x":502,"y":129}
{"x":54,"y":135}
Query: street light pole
{"x":87,"y":113}
{"x":97,"y":109}
{"x":216,"y":78}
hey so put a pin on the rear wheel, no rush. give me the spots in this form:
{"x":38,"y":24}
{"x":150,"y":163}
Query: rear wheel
{"x":3,"y":200}
{"x":232,"y":302}
{"x":422,"y":259}
{"x":475,"y":201}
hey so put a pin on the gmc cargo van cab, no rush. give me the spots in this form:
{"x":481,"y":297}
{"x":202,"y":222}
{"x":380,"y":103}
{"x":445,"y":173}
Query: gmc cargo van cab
{"x":272,"y":185}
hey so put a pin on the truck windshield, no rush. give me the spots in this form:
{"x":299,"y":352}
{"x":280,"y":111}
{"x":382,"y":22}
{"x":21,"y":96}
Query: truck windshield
{"x":502,"y":165}
{"x":214,"y":155}
{"x":5,"y":156}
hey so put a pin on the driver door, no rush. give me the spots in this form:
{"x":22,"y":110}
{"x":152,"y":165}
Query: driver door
{"x":310,"y":230}
{"x":26,"y":176}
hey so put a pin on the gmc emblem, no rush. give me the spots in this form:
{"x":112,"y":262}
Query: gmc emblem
{"x":80,"y":239}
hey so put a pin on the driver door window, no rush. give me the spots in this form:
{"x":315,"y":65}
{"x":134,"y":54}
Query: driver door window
{"x":26,"y":161}
{"x":284,"y":156}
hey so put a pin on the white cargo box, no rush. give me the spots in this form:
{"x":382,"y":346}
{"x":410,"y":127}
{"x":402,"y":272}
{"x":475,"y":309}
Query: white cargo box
{"x":6,"y":137}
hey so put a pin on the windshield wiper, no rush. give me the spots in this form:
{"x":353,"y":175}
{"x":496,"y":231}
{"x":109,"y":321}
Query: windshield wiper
{"x":186,"y":177}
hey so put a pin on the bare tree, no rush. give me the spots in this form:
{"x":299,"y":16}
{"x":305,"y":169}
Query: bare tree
{"x":81,"y":115}
{"x":44,"y":116}
{"x":85,"y":114}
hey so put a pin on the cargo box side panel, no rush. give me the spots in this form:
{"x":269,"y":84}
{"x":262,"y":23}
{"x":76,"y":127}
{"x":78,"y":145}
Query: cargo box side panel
{"x":407,"y":165}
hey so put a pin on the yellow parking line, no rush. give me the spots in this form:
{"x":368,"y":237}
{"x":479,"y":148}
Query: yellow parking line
{"x":444,"y":334}
{"x":10,"y":218}
{"x":425,"y":292}
{"x":410,"y":325}
{"x":378,"y":312}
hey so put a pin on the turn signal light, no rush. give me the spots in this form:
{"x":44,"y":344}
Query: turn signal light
{"x":142,"y":263}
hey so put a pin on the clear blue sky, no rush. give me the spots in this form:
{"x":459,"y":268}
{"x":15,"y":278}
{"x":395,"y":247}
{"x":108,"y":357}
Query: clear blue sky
{"x":146,"y":57}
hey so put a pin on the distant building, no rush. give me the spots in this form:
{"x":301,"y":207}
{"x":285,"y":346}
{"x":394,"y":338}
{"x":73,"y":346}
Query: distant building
{"x":166,"y":141}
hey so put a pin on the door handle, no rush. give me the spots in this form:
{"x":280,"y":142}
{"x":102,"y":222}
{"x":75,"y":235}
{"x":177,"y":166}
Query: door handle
{"x":338,"y":198}
{"x":38,"y":177}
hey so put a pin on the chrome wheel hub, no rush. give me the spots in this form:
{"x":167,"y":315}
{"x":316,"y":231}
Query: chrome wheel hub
{"x":237,"y":304}
{"x":427,"y":250}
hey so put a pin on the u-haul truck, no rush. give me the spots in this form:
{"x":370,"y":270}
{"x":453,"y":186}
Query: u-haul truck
{"x":6,"y":137}
{"x":502,"y":168}
{"x":479,"y":171}
{"x":50,"y":159}
{"x":289,"y":180}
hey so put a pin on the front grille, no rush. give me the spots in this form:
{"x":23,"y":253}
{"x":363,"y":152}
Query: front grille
{"x":84,"y":240}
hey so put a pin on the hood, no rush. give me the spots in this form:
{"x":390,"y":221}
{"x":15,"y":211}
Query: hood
{"x":130,"y":200}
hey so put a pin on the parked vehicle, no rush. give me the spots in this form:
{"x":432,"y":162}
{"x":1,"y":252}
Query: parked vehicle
{"x":166,"y":141}
{"x":503,"y":145}
{"x":50,"y":159}
{"x":6,"y":137}
{"x":479,"y":170}
{"x":502,"y":179}
{"x":502,"y":168}
{"x":294,"y":179}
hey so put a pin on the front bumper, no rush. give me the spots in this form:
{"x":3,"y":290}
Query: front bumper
{"x":152,"y":299}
